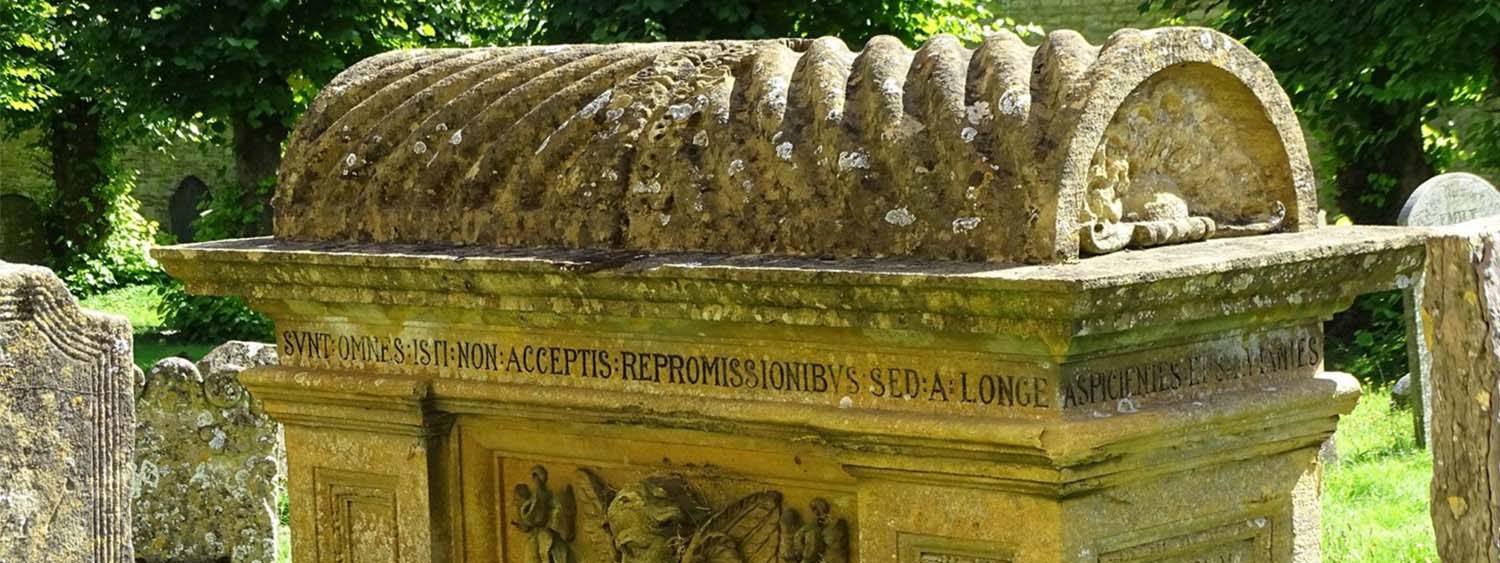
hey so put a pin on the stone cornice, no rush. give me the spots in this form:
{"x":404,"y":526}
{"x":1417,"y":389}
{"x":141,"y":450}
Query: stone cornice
{"x":1274,"y":279}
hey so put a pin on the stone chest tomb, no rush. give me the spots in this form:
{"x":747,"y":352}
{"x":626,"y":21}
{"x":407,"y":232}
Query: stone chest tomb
{"x":780,"y":301}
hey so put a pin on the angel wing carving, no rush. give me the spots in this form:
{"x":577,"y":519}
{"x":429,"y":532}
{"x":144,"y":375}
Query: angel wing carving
{"x":748,"y":531}
{"x":597,"y":494}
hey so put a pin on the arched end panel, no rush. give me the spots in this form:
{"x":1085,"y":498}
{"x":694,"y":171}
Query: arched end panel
{"x":1203,"y":146}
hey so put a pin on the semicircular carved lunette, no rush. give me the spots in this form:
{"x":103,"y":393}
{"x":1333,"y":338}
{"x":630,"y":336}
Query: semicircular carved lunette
{"x":1005,"y":152}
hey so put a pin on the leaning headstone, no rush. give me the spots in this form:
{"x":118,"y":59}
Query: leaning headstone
{"x":66,"y":420}
{"x":21,"y":235}
{"x":1445,"y":199}
{"x":209,"y":462}
{"x":1460,"y":318}
{"x":182,"y":210}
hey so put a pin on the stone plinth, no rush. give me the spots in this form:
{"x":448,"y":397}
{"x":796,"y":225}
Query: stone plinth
{"x":764,"y":301}
{"x":66,"y":421}
{"x":208,"y":461}
{"x":1042,"y":413}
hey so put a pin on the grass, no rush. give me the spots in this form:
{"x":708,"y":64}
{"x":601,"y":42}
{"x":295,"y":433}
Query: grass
{"x":139,"y":303}
{"x":1375,"y":497}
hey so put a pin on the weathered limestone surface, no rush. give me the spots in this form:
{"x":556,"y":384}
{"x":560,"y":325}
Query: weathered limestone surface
{"x":1461,"y":325}
{"x":1005,"y":152}
{"x":209,"y":462}
{"x":781,"y":302}
{"x":1445,"y":199}
{"x":65,"y":424}
{"x":1088,"y":404}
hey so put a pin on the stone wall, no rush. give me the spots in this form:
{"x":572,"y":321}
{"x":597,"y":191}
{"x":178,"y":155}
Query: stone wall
{"x":1095,"y":19}
{"x":160,"y":168}
{"x":23,"y":167}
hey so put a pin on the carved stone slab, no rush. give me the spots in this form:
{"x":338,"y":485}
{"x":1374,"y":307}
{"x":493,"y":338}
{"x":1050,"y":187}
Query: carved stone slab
{"x":1445,"y":199}
{"x":209,"y":462}
{"x":1004,"y":152}
{"x":66,"y":419}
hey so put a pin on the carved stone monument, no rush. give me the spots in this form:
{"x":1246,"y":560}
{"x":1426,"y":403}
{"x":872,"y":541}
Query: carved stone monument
{"x":65,"y":424}
{"x":772,"y":301}
{"x":208,"y":461}
{"x":1461,"y":325}
{"x":1445,"y":199}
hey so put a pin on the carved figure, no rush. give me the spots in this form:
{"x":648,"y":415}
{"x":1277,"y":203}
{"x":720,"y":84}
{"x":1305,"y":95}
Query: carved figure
{"x":547,"y":519}
{"x":660,"y":519}
{"x":821,"y":540}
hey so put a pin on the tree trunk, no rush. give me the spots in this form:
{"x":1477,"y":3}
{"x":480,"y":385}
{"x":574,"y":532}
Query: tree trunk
{"x":257,"y":155}
{"x":1461,"y":324}
{"x":78,"y":221}
{"x":1402,"y":160}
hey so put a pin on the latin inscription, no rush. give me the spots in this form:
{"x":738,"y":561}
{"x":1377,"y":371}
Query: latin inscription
{"x":761,"y":373}
{"x":1268,"y":358}
{"x":844,"y":379}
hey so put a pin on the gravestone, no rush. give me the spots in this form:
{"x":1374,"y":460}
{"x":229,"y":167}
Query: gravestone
{"x":182,"y":209}
{"x":66,"y":417}
{"x":1460,"y":318}
{"x":1444,"y":199}
{"x":782,"y":301}
{"x":209,"y":462}
{"x":21,"y":237}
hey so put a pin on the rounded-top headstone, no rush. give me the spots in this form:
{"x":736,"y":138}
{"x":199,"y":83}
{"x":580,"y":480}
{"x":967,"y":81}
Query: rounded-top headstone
{"x":1451,"y":198}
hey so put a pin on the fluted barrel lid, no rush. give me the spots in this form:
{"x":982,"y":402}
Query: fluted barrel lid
{"x":1004,"y":152}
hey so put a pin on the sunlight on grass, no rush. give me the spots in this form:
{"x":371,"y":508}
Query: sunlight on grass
{"x":1375,"y":497}
{"x":137,"y":303}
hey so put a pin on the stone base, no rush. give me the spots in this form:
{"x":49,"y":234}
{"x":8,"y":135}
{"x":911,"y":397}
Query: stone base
{"x":410,"y":470}
{"x":518,"y":406}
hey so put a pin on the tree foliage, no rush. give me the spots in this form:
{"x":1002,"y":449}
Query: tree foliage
{"x":96,"y":238}
{"x":576,"y":21}
{"x":1372,"y":76}
{"x":24,"y":38}
{"x":249,"y":67}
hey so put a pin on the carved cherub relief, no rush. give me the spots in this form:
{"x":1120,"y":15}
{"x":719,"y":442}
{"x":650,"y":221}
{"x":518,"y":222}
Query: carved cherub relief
{"x":661,"y":519}
{"x":548,"y":519}
{"x":819,"y":540}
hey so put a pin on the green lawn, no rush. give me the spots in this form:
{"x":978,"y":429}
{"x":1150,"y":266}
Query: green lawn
{"x":138,"y":303}
{"x":1374,"y":498}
